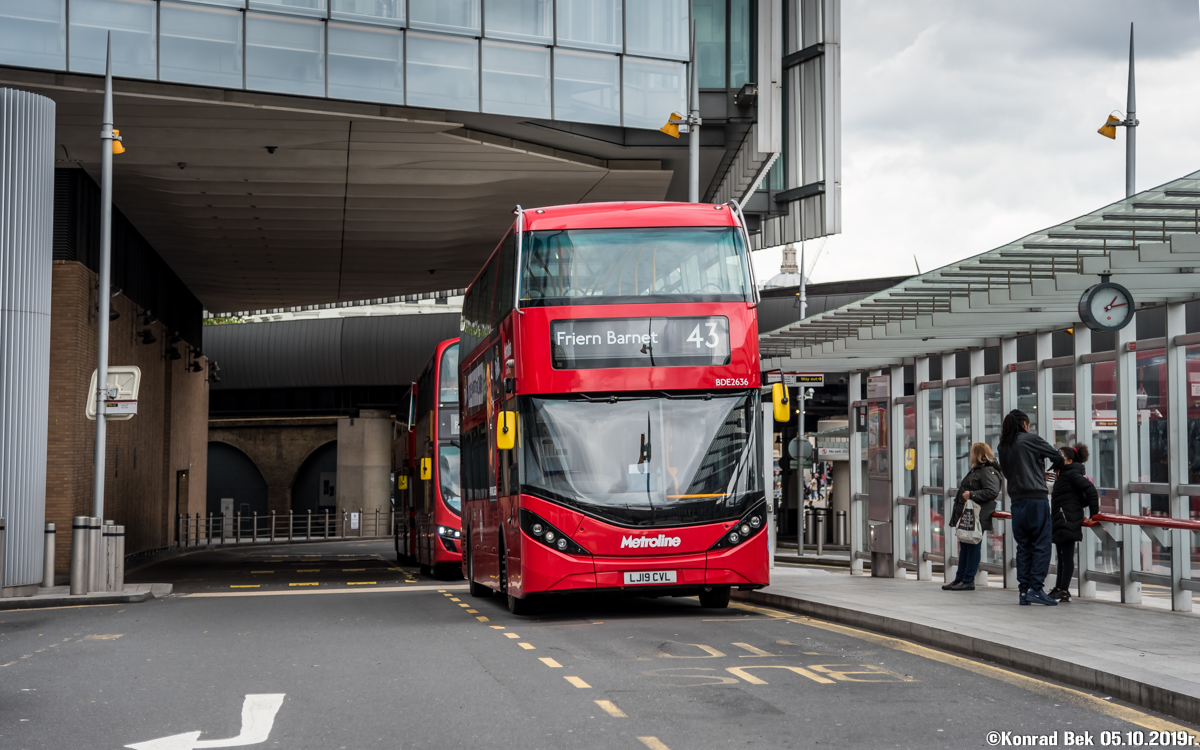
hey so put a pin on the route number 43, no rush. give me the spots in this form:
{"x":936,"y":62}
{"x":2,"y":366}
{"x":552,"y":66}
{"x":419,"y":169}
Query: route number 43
{"x":711,"y":341}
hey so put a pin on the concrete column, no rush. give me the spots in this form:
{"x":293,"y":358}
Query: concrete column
{"x":1083,"y":434}
{"x":949,"y":465}
{"x":1127,"y":461}
{"x":921,"y":416}
{"x":1181,"y":564}
{"x":26,"y":255}
{"x":857,"y":507}
{"x":1008,"y":402}
{"x":364,"y":462}
{"x":896,"y":449}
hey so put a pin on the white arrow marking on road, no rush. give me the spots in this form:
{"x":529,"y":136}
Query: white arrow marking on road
{"x":258,"y":716}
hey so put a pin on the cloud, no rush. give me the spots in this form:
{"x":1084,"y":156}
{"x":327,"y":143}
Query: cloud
{"x":969,"y":125}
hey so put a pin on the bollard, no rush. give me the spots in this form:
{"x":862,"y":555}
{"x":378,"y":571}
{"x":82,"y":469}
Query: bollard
{"x":272,"y":526}
{"x":119,"y":558}
{"x":237,"y":527}
{"x":3,"y":542}
{"x":343,"y":524}
{"x":95,"y":555}
{"x":254,"y":526}
{"x":110,"y":557}
{"x":196,"y":541}
{"x":326,"y":524}
{"x":179,"y":531}
{"x":48,"y":556}
{"x":839,"y":528}
{"x":291,"y":524}
{"x":377,"y":523}
{"x":208,"y":531}
{"x":362,"y":521}
{"x":820,"y":533}
{"x":224,"y":528}
{"x":808,"y":526}
{"x":308,"y":529}
{"x":79,"y":529}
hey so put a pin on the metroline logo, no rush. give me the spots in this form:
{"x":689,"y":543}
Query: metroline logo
{"x":661,"y":540}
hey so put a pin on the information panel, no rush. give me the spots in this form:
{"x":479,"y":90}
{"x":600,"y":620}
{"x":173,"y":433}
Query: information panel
{"x":593,"y":343}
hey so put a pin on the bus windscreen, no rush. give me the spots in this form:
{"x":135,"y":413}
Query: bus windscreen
{"x":645,"y":461}
{"x":581,"y":266}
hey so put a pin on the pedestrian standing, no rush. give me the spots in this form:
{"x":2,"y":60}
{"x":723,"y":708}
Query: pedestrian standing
{"x":1073,"y":492}
{"x":981,"y":486}
{"x":1023,"y":457}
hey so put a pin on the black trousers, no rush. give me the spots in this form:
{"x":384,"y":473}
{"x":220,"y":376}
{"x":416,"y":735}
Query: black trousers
{"x":1066,"y":565}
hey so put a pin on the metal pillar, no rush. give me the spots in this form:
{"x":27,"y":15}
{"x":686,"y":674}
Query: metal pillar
{"x":48,"y":556}
{"x":949,"y":465}
{"x":1127,"y":464}
{"x":105,"y":285}
{"x":924,"y":516}
{"x":768,"y":439}
{"x":95,"y":555}
{"x":896,"y":461}
{"x":118,"y":581}
{"x":1083,"y":434}
{"x":3,"y":550}
{"x":79,"y":547}
{"x":110,"y":557}
{"x":978,"y":433}
{"x":1131,"y":123}
{"x":857,"y":490}
{"x":693,"y":121}
{"x":1177,"y":385}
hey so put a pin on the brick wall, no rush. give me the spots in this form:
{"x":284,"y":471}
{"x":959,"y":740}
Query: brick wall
{"x":144,"y":454}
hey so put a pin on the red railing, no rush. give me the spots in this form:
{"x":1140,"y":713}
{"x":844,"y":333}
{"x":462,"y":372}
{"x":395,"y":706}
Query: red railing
{"x":1158,"y":521}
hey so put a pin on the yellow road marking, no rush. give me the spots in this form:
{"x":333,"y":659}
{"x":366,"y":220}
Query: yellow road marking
{"x":244,"y":586}
{"x":549,"y":662}
{"x":1032,"y":684}
{"x":353,"y":570}
{"x":653,"y":743}
{"x":611,"y":709}
{"x":754,"y":650}
{"x":106,"y":637}
{"x":360,"y":583}
{"x":409,"y":580}
{"x":511,"y":635}
{"x":261,"y":571}
{"x":455,"y":599}
{"x":496,"y":627}
{"x":843,"y":672}
{"x":481,"y":618}
{"x":441,"y":591}
{"x":530,"y":647}
{"x":303,"y":584}
{"x":577,"y":682}
{"x":309,"y":570}
{"x":472,"y":611}
{"x":712,"y":653}
{"x":745,"y":675}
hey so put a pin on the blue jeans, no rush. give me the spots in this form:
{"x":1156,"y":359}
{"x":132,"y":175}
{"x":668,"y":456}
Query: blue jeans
{"x":968,"y":561}
{"x":1031,"y":530}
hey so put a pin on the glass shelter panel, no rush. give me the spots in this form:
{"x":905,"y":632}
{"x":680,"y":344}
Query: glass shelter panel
{"x":587,"y":87}
{"x":450,"y":16}
{"x":1027,"y":398}
{"x":992,"y":416}
{"x":590,"y":24}
{"x":653,"y":90}
{"x":443,"y":72}
{"x":934,"y":439}
{"x":286,"y":55}
{"x":369,"y":11}
{"x":908,"y":487}
{"x":961,"y":403}
{"x":133,"y":24}
{"x":1062,"y":404}
{"x":1103,"y":469}
{"x":657,"y":29}
{"x":200,"y":45}
{"x":33,"y":33}
{"x":366,"y":63}
{"x":519,"y":20}
{"x":516,"y":79}
{"x":1153,"y":420}
{"x":1193,"y":415}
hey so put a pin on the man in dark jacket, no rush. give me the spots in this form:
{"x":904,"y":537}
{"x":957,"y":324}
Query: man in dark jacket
{"x":1023,"y":457}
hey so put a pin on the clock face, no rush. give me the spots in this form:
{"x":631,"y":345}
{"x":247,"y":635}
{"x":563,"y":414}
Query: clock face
{"x":1109,"y":306}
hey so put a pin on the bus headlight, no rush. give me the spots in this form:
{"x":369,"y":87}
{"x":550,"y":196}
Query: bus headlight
{"x":562,"y":544}
{"x":749,"y":526}
{"x":549,"y":537}
{"x":538,"y":529}
{"x":734,"y":538}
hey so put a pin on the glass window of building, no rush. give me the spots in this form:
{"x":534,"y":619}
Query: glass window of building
{"x":285,"y":55}
{"x":33,"y":33}
{"x":450,"y":16}
{"x":225,"y":3}
{"x":739,"y":43}
{"x":443,"y":72}
{"x":590,"y":24}
{"x":305,"y":7}
{"x":366,"y":63}
{"x":516,"y":79}
{"x":587,"y":87}
{"x":133,"y":24}
{"x":369,"y":11}
{"x":653,"y":90}
{"x":519,"y":20}
{"x":710,"y":42}
{"x":657,"y":29}
{"x":200,"y":45}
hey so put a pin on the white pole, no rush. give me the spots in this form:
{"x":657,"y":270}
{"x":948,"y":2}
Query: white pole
{"x":693,"y":121}
{"x":1131,"y":129}
{"x":103,"y":294}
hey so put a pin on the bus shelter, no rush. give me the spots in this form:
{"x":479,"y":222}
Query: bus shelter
{"x":935,"y":362}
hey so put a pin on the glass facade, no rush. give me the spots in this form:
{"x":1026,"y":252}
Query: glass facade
{"x":653,"y":90}
{"x":587,"y":87}
{"x":516,"y":79}
{"x":285,"y":54}
{"x":366,"y":63}
{"x":443,"y":72}
{"x":369,"y":11}
{"x":133,"y":24}
{"x":519,"y":20}
{"x":657,"y":29}
{"x":590,"y":24}
{"x":201,"y":45}
{"x":450,"y":16}
{"x":33,"y":34}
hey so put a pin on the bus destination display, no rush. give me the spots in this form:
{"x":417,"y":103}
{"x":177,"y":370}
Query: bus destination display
{"x":593,"y":343}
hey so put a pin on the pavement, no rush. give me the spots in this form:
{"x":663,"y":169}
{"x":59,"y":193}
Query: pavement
{"x":60,"y":596}
{"x":392,"y":664}
{"x":1141,"y":654}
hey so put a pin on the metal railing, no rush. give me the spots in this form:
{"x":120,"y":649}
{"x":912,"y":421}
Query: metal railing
{"x":253,"y":528}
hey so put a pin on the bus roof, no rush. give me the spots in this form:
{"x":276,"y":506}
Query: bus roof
{"x":629,"y":214}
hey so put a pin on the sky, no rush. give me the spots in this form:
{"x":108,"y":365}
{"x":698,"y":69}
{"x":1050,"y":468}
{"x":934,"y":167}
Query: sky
{"x":967,"y":125}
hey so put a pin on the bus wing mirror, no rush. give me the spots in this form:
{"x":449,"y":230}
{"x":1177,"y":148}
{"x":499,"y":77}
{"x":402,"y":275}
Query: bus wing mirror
{"x":426,"y":468}
{"x":779,"y":397}
{"x":506,"y":430}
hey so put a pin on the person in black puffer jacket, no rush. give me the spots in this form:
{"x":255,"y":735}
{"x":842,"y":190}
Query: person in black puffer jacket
{"x":1072,"y":493}
{"x":982,"y":486}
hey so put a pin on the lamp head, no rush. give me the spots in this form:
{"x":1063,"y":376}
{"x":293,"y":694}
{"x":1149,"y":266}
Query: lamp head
{"x":1109,"y":129}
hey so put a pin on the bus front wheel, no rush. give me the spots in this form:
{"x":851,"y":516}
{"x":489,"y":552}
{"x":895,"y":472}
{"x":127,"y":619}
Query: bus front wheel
{"x":715,"y":598}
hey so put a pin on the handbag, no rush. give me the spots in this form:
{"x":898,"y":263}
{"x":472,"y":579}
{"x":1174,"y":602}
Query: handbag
{"x":968,"y":530}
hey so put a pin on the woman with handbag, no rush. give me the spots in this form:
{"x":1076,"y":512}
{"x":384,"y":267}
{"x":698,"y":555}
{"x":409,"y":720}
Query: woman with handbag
{"x":1073,"y":492}
{"x":977,"y":492}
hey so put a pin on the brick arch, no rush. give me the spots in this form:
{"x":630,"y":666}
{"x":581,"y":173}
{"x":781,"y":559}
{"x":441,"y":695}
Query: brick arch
{"x":277,"y":447}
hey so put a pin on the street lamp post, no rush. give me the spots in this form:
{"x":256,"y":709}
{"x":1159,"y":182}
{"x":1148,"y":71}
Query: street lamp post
{"x":103,"y":295}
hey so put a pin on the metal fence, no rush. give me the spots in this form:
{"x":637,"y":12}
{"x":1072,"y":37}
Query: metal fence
{"x":252,"y":528}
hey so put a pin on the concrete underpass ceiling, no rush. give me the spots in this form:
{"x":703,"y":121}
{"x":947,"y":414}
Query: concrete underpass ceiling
{"x":357,"y":202}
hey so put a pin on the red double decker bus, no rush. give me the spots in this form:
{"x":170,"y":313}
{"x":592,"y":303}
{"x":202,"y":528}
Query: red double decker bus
{"x":611,"y":420}
{"x":430,"y":529}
